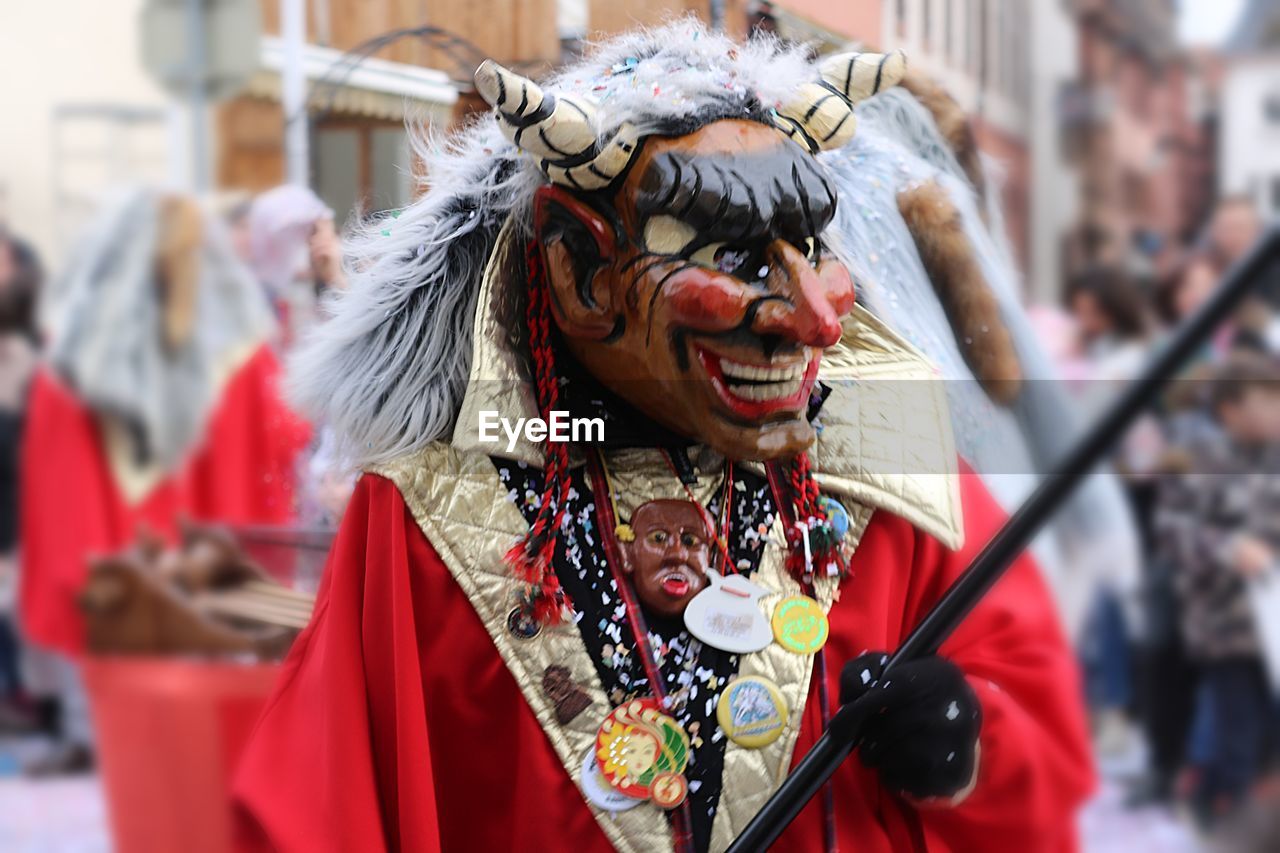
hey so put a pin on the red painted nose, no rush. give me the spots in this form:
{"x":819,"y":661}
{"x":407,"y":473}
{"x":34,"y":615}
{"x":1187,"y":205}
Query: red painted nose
{"x":813,"y":300}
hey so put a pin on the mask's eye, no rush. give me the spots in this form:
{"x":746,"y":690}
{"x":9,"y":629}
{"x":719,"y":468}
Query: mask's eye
{"x":666,"y":235}
{"x":811,"y":248}
{"x":658,"y":537}
{"x":741,"y":262}
{"x":688,"y":540}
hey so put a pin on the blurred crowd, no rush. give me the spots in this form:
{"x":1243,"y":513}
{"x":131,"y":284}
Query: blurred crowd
{"x":167,"y":326}
{"x":1185,"y":668}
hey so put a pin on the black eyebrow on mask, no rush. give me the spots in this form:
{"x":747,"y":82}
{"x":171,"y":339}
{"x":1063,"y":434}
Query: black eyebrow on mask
{"x":778,"y":192}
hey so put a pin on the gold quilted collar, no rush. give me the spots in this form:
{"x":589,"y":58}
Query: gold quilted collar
{"x":885,"y":438}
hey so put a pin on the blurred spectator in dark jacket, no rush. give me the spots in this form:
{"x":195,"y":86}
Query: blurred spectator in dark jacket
{"x":1227,"y":535}
{"x":1111,"y":317}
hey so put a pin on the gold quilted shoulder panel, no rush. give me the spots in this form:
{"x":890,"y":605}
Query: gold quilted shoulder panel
{"x":885,"y":437}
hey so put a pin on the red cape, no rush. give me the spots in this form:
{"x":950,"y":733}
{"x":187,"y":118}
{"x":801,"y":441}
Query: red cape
{"x":396,"y":725}
{"x":242,"y":473}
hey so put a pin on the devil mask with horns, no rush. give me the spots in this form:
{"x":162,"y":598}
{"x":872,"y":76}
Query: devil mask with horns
{"x":684,"y":268}
{"x":685,"y":263}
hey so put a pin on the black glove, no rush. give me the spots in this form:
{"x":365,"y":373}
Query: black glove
{"x":921,"y":731}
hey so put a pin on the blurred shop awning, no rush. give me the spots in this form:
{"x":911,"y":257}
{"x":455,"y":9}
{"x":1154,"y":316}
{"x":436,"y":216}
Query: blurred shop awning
{"x":342,"y":84}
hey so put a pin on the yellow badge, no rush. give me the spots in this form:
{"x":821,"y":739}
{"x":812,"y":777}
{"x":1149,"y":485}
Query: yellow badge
{"x":752,"y":711}
{"x":799,"y":625}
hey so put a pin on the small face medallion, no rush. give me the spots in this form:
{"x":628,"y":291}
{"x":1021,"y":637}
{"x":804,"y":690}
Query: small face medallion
{"x":668,"y":555}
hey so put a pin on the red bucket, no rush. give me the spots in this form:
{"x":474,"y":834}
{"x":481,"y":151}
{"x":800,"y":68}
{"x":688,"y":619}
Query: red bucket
{"x":170,"y":732}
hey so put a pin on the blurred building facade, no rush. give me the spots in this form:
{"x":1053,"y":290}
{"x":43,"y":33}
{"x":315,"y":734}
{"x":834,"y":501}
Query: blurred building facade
{"x":1100,"y":128}
{"x":1249,"y":158}
{"x":79,"y":125}
{"x":983,"y":50}
{"x":1142,"y":151}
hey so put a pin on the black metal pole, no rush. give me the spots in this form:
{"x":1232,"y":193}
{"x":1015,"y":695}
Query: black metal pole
{"x":841,"y":737}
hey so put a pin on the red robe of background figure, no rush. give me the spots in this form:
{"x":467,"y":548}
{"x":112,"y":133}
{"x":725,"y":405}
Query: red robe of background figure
{"x":242,"y":472}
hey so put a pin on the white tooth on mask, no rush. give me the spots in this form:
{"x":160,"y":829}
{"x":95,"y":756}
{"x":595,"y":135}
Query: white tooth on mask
{"x":771,"y":391}
{"x":759,"y":373}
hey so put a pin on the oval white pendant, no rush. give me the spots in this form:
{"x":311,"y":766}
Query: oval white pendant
{"x":727,"y":615}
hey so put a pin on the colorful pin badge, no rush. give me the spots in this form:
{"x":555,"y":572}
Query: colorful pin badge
{"x":837,"y":516}
{"x":752,"y":712}
{"x":636,"y":744}
{"x":799,"y":625}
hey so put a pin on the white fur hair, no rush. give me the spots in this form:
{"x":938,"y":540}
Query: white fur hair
{"x":387,"y":372}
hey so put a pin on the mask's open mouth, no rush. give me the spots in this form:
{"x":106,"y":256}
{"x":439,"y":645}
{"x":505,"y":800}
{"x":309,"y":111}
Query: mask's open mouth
{"x":677,"y":581}
{"x":755,"y":391}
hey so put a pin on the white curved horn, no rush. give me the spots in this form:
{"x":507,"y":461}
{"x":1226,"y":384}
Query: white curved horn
{"x":560,"y":130}
{"x":858,"y":76}
{"x":598,"y":172}
{"x":555,"y":128}
{"x":820,"y":115}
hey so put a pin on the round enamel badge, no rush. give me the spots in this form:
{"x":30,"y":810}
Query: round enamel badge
{"x":668,"y":790}
{"x":752,"y":711}
{"x":636,"y":743}
{"x":522,"y":625}
{"x":799,"y":625}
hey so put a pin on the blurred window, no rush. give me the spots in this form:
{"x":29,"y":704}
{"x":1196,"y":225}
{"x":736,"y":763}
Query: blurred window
{"x":901,"y":12}
{"x":926,"y":23}
{"x":392,"y":184}
{"x":362,"y":166}
{"x":984,"y":52}
{"x":338,"y":169}
{"x":948,"y":29}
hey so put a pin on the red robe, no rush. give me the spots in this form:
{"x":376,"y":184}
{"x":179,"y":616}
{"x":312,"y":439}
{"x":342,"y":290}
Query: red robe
{"x":72,"y":508}
{"x":396,"y":725}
